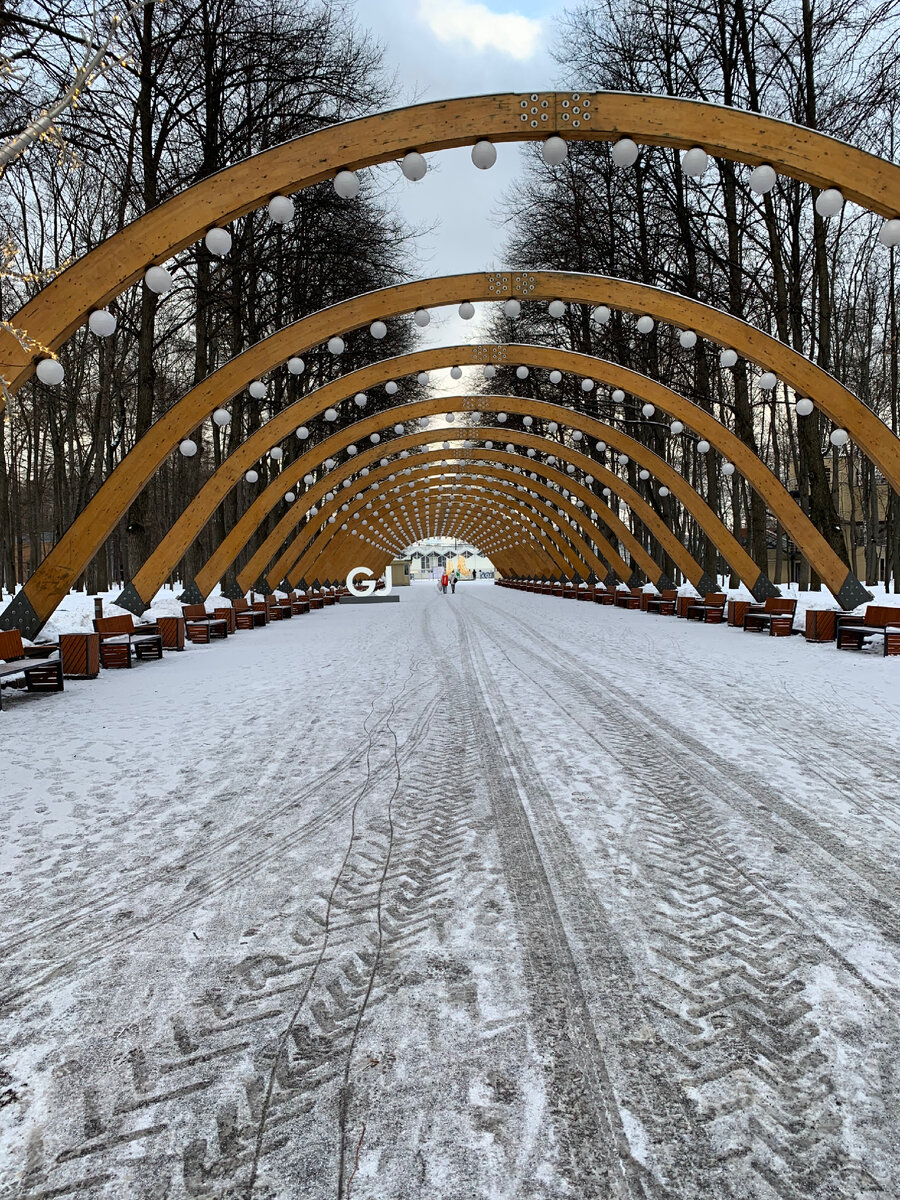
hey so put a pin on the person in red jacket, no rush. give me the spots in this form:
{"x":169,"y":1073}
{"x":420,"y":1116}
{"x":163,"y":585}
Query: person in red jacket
{"x":444,"y":581}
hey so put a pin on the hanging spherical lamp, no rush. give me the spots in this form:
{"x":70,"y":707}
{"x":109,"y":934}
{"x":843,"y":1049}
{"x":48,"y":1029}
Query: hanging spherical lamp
{"x":290,"y":497}
{"x":158,"y":280}
{"x":528,"y":422}
{"x":644,"y":473}
{"x":252,"y":476}
{"x":600,"y":447}
{"x":577,"y":435}
{"x":623,"y":460}
{"x":378,"y":330}
{"x":829,"y":203}
{"x":728,"y":358}
{"x":645,"y":324}
{"x":391,"y":387}
{"x":484,"y":155}
{"x":309,"y":480}
{"x":336,"y":345}
{"x":624,"y":152}
{"x":556,"y":376}
{"x":329,"y":464}
{"x":521,"y":372}
{"x":296,"y":365}
{"x":422,"y":378}
{"x":102,"y":322}
{"x":257,"y":389}
{"x":466,"y":310}
{"x":501,"y":418}
{"x":607,"y":492}
{"x":552,"y":427}
{"x":221,"y":417}
{"x":188,"y":448}
{"x":422,"y":317}
{"x":889,"y":233}
{"x":218,"y":241}
{"x":767,"y":381}
{"x":276,"y":454}
{"x":512,"y":308}
{"x":727,"y":468}
{"x":346,"y":184}
{"x":839,"y":437}
{"x":618,"y":396}
{"x":488,"y":445}
{"x":554,"y":151}
{"x":676,"y":427}
{"x":687,"y":338}
{"x":587,"y":385}
{"x":703,"y":446}
{"x":330,"y":414}
{"x":556,"y":308}
{"x":398,"y":429}
{"x":50,"y":371}
{"x":302,"y":433}
{"x":664,"y":491}
{"x":762,"y":179}
{"x":281,"y":209}
{"x":694,"y":161}
{"x":648,"y":410}
{"x":360,"y":399}
{"x":456,"y":372}
{"x":352,"y":451}
{"x":804,"y":407}
{"x":413,"y":166}
{"x":600,"y":315}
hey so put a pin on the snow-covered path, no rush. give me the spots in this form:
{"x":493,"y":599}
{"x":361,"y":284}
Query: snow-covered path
{"x":470,"y":896}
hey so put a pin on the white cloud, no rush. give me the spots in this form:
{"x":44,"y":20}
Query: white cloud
{"x":475,"y":25}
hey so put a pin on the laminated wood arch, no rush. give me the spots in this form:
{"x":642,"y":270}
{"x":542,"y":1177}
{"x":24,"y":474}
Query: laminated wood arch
{"x":102,"y":274}
{"x":314,"y":536}
{"x":90,"y":529}
{"x":422,"y":466}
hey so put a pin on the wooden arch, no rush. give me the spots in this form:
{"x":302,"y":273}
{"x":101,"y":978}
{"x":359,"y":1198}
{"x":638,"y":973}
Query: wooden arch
{"x":94,"y":280}
{"x":90,"y":529}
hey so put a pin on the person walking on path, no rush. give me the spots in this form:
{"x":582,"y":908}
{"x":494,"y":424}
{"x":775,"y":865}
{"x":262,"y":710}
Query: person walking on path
{"x":453,"y":585}
{"x":444,"y":582}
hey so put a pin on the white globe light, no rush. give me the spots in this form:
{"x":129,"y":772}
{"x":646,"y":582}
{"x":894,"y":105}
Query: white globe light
{"x":221,"y":417}
{"x":336,"y":345}
{"x":484,"y":155}
{"x":889,"y":233}
{"x":158,"y":279}
{"x":624,"y":152}
{"x":804,"y":407}
{"x":512,"y":308}
{"x":290,"y":497}
{"x":601,"y":315}
{"x":102,"y":322}
{"x":501,"y":418}
{"x":218,"y":241}
{"x":252,"y":476}
{"x":449,"y":418}
{"x":577,"y":435}
{"x":556,"y":308}
{"x":554,"y":151}
{"x":276,"y":453}
{"x":329,"y":464}
{"x":422,"y":378}
{"x":352,"y":451}
{"x":556,"y":376}
{"x":829,"y":203}
{"x":489,"y":371}
{"x":687,"y":338}
{"x":378,"y":330}
{"x":346,"y":184}
{"x":645,"y":324}
{"x":531,"y":453}
{"x":257,"y":389}
{"x":510,"y":448}
{"x":767,"y":381}
{"x":413,"y":166}
{"x":404,"y":454}
{"x":839,"y":437}
{"x":488,"y":445}
{"x":466,"y":310}
{"x":623,"y":459}
{"x":664,"y":491}
{"x":296,"y":365}
{"x":618,"y":396}
{"x":571,"y":468}
{"x":309,"y":480}
{"x":398,"y":429}
{"x":188,"y":448}
{"x":281,"y":209}
{"x":374,"y":438}
{"x":600,"y":446}
{"x":50,"y":371}
{"x":644,"y":474}
{"x":587,"y":385}
{"x":360,"y":399}
{"x":728,"y":468}
{"x":302,"y":433}
{"x":728,"y":358}
{"x":390,"y":387}
{"x":676,"y":427}
{"x":522,"y":372}
{"x":648,"y":410}
{"x":552,"y":427}
{"x":456,"y":372}
{"x":607,"y":492}
{"x":694,"y":161}
{"x":422,"y":317}
{"x":330,"y":414}
{"x":762,"y":179}
{"x":703,"y":446}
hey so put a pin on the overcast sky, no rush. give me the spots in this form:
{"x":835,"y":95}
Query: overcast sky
{"x":444,"y":48}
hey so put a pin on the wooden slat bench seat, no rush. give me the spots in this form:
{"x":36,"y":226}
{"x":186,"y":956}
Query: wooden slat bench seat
{"x":41,"y":666}
{"x":604,"y":595}
{"x":119,"y":636}
{"x":226,"y":613}
{"x":246,"y":617}
{"x":630,"y":599}
{"x":664,"y":603}
{"x":202,"y":627}
{"x":315,"y":601}
{"x":299,"y":603}
{"x":879,"y":621}
{"x":710,"y":610}
{"x":776,"y":616}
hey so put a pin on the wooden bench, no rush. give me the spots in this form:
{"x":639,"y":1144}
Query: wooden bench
{"x":710,"y":610}
{"x":879,"y":621}
{"x":246,"y":617}
{"x":299,"y":603}
{"x":664,"y":603}
{"x":604,"y":595}
{"x":776,"y":616}
{"x":40,"y":665}
{"x":119,"y":635}
{"x":630,"y":599}
{"x":227,"y":614}
{"x":202,"y":627}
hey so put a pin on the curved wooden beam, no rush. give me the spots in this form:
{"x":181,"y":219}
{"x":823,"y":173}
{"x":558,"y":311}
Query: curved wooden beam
{"x":102,"y":274}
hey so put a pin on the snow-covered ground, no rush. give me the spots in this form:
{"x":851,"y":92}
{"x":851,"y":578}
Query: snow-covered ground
{"x":471,"y":896}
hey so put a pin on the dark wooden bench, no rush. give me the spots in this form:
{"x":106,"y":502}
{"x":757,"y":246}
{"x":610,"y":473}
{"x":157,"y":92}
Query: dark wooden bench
{"x":119,"y":636}
{"x":710,"y":610}
{"x":664,"y":603}
{"x":776,"y":616}
{"x":604,"y":595}
{"x":630,"y":599}
{"x":299,"y":603}
{"x":41,"y":665}
{"x":201,"y":626}
{"x":246,"y":617}
{"x":879,"y":621}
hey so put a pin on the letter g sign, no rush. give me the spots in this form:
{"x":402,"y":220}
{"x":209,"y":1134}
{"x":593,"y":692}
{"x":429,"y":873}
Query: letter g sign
{"x":363,"y":589}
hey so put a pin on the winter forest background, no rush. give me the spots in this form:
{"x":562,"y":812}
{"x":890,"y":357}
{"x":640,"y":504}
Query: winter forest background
{"x":193,"y":87}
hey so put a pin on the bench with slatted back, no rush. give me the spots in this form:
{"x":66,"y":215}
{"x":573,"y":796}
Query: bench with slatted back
{"x":119,"y":635}
{"x":664,"y":603}
{"x":201,"y":626}
{"x":247,"y":617}
{"x":711,"y":610}
{"x":630,"y":599}
{"x":879,"y":621}
{"x":299,"y":603}
{"x":40,"y":665}
{"x":604,"y":595}
{"x":776,"y":616}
